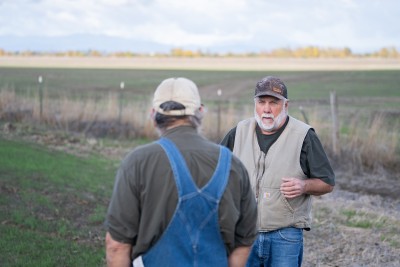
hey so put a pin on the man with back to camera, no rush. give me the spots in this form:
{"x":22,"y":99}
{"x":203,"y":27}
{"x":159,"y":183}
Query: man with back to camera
{"x":182,"y":200}
{"x":286,"y":164}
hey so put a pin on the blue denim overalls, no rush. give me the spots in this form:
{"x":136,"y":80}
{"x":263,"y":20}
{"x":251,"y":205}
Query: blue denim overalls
{"x":193,"y":236}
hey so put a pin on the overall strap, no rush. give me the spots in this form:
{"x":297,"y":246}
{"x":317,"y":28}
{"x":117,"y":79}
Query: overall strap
{"x":179,"y":167}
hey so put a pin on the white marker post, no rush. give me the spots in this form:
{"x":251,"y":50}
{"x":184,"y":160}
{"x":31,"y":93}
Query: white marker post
{"x":40,"y":80}
{"x":121,"y":86}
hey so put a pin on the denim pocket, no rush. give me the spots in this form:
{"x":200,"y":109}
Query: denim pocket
{"x":291,"y":234}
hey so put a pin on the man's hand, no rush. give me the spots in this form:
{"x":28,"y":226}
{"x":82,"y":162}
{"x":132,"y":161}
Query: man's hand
{"x":292,"y":187}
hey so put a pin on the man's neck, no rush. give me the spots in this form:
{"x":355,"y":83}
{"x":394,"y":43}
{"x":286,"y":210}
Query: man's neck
{"x":178,"y":123}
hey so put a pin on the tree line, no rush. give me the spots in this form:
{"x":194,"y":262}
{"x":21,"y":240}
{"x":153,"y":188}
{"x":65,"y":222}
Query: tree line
{"x":302,"y":52}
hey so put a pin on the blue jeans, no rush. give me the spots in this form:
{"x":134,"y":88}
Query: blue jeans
{"x":280,"y":248}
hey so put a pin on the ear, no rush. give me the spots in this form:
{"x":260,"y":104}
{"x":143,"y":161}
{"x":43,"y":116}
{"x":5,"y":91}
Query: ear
{"x":286,"y":104}
{"x":152,"y":113}
{"x":202,"y":109}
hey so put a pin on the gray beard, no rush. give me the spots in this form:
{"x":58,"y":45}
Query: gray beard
{"x":274,"y":126}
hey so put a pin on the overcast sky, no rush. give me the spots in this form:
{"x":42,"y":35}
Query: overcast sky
{"x":208,"y":25}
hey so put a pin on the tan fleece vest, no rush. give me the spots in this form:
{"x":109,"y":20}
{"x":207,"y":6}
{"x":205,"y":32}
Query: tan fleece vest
{"x":267,"y":170}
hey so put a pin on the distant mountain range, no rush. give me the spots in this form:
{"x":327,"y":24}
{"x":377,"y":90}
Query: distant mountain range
{"x":101,"y":43}
{"x":79,"y":42}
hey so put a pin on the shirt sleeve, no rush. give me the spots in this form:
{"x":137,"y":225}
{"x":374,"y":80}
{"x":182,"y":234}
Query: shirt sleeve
{"x":314,"y":161}
{"x":122,"y":219}
{"x":238,"y":209}
{"x":247,"y":225}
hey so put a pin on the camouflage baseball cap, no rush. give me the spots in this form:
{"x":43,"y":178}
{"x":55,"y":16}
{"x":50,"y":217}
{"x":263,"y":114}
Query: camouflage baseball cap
{"x":271,"y":86}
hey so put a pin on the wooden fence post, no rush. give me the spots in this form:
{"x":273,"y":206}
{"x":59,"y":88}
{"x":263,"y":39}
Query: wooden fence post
{"x":335,"y":124}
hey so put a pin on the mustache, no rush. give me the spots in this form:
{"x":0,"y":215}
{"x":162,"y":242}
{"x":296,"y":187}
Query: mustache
{"x":268,"y":116}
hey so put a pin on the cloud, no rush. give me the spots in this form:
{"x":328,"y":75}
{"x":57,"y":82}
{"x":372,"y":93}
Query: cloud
{"x":240,"y":24}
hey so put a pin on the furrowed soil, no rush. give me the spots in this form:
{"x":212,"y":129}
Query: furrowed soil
{"x":352,"y":226}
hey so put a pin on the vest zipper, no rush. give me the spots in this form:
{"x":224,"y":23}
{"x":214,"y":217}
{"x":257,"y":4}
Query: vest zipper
{"x":259,"y":177}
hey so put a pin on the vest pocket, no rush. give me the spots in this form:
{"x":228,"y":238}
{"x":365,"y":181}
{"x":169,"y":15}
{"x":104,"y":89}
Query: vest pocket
{"x":274,"y":210}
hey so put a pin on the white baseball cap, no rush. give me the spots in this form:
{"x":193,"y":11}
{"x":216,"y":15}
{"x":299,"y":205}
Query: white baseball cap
{"x":180,"y":90}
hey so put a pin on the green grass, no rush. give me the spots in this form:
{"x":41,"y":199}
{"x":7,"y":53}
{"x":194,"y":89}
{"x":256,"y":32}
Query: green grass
{"x":360,"y":219}
{"x":52,"y":206}
{"x":25,"y":247}
{"x":303,"y":85}
{"x":38,"y":163}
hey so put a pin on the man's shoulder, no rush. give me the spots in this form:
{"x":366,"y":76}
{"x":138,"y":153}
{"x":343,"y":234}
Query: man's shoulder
{"x":143,"y":151}
{"x":245,"y":129}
